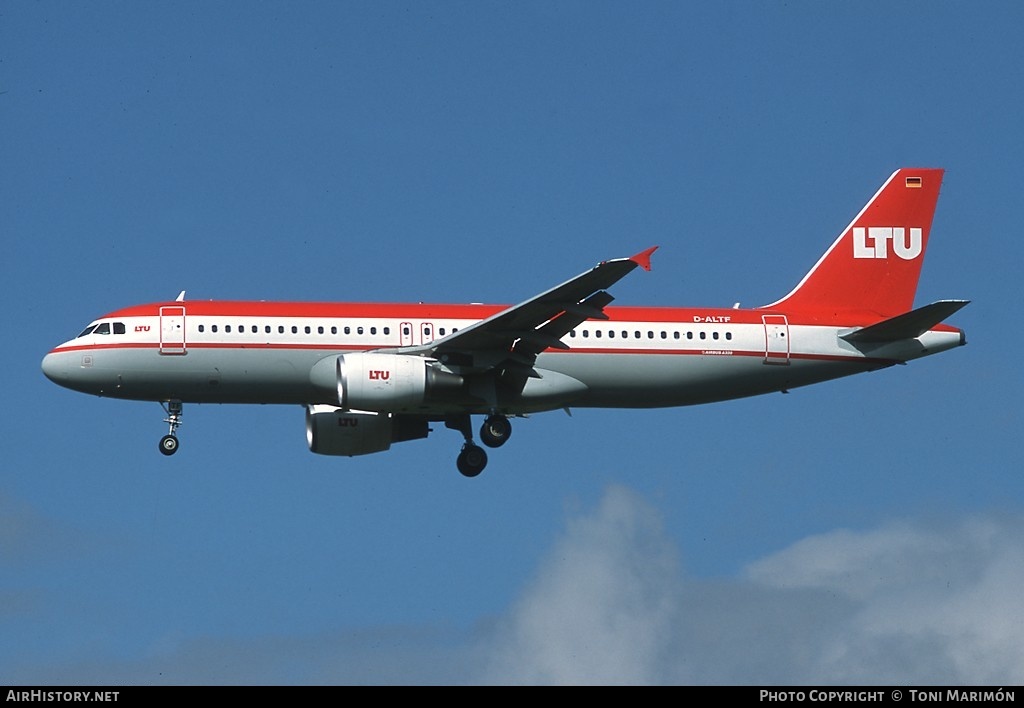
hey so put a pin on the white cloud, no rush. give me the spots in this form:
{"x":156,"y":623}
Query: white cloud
{"x":906,"y":603}
{"x":601,"y":608}
{"x":940,"y":603}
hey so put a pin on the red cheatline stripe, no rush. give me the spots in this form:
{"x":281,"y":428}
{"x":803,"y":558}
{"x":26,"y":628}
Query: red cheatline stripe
{"x":577,"y":350}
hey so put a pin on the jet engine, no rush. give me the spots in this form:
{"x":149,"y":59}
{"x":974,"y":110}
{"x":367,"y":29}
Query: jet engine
{"x":390,"y":382}
{"x":333,"y":431}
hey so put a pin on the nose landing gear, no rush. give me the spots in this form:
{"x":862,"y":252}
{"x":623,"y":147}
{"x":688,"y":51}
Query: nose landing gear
{"x":169,"y":442}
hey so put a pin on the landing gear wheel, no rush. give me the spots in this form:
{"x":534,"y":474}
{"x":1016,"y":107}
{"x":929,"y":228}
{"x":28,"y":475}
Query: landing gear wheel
{"x":495,"y":431}
{"x":168,"y":444}
{"x":472,"y":460}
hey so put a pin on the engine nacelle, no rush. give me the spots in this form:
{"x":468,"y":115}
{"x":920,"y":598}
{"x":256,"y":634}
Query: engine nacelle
{"x":391,"y":382}
{"x":333,"y":431}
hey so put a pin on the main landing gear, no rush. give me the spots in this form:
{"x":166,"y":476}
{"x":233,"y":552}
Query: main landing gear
{"x":471,"y":460}
{"x":495,"y":432}
{"x":169,"y":442}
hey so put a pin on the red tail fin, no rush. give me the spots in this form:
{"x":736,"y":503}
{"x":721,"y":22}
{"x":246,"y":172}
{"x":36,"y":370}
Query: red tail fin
{"x":874,"y":265}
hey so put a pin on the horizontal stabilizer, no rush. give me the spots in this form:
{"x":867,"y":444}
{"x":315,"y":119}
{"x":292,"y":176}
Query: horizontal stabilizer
{"x":909,"y":325}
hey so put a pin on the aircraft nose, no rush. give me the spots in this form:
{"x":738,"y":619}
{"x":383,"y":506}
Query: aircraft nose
{"x":55,"y":367}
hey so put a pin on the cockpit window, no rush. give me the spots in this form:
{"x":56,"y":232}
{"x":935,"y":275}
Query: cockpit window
{"x":103,"y":328}
{"x":87,"y":330}
{"x":119,"y":328}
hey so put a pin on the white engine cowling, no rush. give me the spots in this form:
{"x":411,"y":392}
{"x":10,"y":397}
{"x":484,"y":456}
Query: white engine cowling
{"x":333,"y":431}
{"x":390,"y":382}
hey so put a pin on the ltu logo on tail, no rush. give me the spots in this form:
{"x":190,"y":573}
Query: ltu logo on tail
{"x":873,"y":242}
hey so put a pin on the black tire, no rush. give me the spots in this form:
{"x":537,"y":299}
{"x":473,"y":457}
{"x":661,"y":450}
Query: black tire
{"x":168,"y":444}
{"x":471,"y":460}
{"x":495,"y":431}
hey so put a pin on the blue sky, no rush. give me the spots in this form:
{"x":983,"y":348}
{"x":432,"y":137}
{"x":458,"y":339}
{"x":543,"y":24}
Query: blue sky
{"x":865,"y":530}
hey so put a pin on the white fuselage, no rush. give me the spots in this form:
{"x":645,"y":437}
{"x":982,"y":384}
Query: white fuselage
{"x":639,"y":357}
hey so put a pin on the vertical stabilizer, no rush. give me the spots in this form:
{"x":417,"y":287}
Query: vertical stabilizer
{"x":874,"y":265}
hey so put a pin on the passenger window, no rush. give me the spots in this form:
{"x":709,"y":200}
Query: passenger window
{"x":280,"y":329}
{"x":714,"y":335}
{"x":387,"y":330}
{"x":320,"y":330}
{"x":728,"y":335}
{"x":255,"y":329}
{"x":202,"y":328}
{"x":359,"y":330}
{"x":307,"y":329}
{"x":266,"y":329}
{"x":295,"y":330}
{"x":213,"y":328}
{"x":373,"y":330}
{"x":334,"y":330}
{"x":227,"y":328}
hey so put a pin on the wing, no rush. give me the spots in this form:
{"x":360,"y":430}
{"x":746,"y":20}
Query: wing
{"x":510,"y":340}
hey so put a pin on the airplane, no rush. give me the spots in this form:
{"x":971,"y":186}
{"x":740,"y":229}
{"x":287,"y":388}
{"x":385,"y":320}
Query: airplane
{"x":372,"y":375}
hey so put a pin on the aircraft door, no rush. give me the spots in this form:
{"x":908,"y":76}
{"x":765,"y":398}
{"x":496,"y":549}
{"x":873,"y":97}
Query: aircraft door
{"x":776,"y":339}
{"x":426,"y":332}
{"x":172,"y":330}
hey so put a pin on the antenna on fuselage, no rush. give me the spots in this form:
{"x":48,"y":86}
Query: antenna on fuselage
{"x":181,"y":297}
